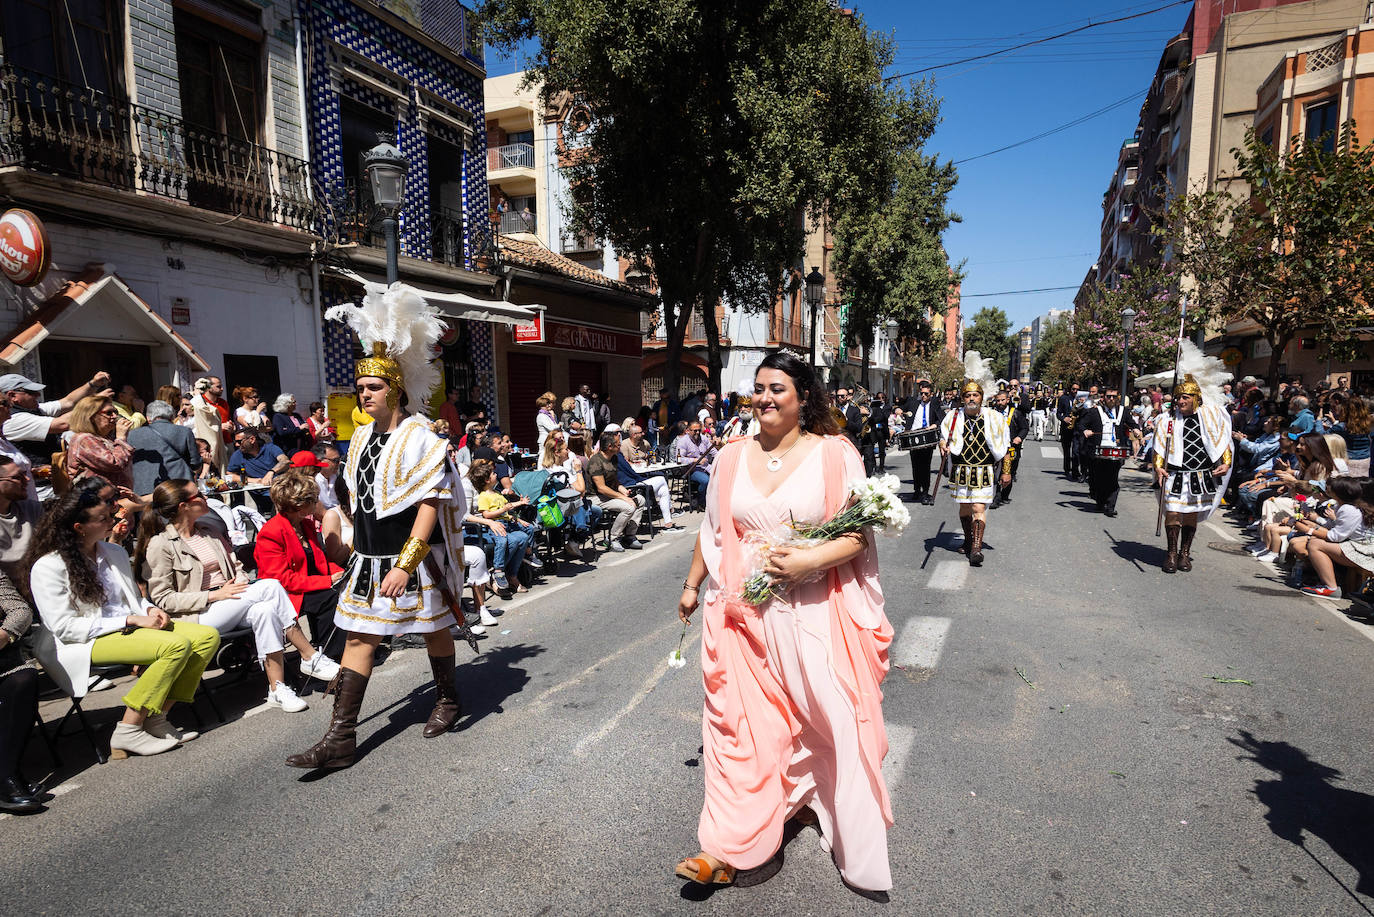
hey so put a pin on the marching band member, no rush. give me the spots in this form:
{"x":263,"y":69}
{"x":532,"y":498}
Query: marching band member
{"x":1192,"y":450}
{"x":974,"y":441}
{"x":408,"y":508}
{"x":1018,"y":429}
{"x":922,"y":411}
{"x":1107,"y":425}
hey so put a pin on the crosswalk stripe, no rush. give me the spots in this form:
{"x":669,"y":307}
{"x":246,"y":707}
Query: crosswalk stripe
{"x":1051,"y":452}
{"x":900,"y":741}
{"x":949,"y":575}
{"x":921,"y":641}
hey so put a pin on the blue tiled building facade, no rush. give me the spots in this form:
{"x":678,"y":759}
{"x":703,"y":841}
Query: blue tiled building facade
{"x":412,"y":68}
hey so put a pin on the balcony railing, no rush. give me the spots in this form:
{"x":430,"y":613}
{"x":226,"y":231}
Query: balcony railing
{"x":510,"y":156}
{"x":55,"y":127}
{"x":518,"y":222}
{"x":580,"y":242}
{"x":785,"y":332}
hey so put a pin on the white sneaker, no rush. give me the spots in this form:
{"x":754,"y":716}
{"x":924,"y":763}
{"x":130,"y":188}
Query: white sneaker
{"x":134,"y":740}
{"x":282,"y":696}
{"x":1257,"y":548}
{"x":156,"y":724}
{"x":487,"y":617}
{"x":100,"y":684}
{"x":319,"y":666}
{"x":1268,"y":557}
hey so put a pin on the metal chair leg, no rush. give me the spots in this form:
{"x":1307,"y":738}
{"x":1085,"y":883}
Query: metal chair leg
{"x":100,"y":756}
{"x":47,"y":739}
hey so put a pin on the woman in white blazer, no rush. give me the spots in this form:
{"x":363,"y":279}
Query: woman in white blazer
{"x":83,"y":588}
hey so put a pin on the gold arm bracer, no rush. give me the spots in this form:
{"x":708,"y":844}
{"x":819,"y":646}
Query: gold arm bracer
{"x":413,"y":553}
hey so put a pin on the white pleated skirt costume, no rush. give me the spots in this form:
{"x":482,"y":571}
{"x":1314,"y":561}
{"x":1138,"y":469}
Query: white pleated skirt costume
{"x":387,"y":475}
{"x":1192,"y":445}
{"x":976,"y":481}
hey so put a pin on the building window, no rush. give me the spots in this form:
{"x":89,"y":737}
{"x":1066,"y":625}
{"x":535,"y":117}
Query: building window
{"x":1321,"y":125}
{"x":77,"y":41}
{"x":221,"y":73}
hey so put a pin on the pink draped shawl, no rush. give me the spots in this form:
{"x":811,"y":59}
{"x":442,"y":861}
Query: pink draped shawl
{"x":749,"y":724}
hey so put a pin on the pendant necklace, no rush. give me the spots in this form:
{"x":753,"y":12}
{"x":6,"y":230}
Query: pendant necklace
{"x":775,"y":461}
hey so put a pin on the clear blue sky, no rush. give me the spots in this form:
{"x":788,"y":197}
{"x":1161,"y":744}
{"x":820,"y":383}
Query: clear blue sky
{"x":1031,"y":215}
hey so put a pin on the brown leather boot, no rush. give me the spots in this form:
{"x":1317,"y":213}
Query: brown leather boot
{"x":447,"y":707}
{"x":967,"y":523}
{"x":339,"y":744}
{"x":975,"y":555}
{"x":1185,"y":545}
{"x":1171,"y":559}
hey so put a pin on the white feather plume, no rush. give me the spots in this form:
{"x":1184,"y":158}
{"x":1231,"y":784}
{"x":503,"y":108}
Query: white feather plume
{"x":980,"y":371}
{"x":1210,"y":373}
{"x":407,"y":326}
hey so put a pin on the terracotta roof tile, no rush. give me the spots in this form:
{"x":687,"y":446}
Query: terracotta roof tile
{"x":532,"y":254}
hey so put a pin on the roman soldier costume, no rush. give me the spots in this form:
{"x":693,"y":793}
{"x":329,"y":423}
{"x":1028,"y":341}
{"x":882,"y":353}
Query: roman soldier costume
{"x":976,"y":446}
{"x":1188,"y":448}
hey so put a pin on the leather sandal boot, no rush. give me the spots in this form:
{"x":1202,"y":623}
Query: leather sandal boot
{"x":967,"y":523}
{"x":447,"y":707}
{"x":339,"y":744}
{"x":975,"y":556}
{"x":1171,"y":559}
{"x":1185,"y":545}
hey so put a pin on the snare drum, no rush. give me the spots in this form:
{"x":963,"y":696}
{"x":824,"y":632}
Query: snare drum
{"x":924,"y":438}
{"x":1112,"y":453}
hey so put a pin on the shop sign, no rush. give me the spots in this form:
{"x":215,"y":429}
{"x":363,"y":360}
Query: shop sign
{"x":532,"y":333}
{"x":24,"y":250}
{"x":1260,"y":348}
{"x":594,"y":340}
{"x":1232,"y":356}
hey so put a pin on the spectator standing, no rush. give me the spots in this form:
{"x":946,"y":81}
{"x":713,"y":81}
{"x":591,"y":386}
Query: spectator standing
{"x":253,"y":461}
{"x":35,"y":428}
{"x":474,"y":408}
{"x":449,"y":411}
{"x":170,"y":394}
{"x":249,"y":413}
{"x":584,"y":408}
{"x":614,"y":497}
{"x":602,"y":409}
{"x":212,"y":417}
{"x":99,"y":443}
{"x":190,"y":569}
{"x":545,"y":419}
{"x":84,"y":590}
{"x":162,"y":450}
{"x":568,"y":413}
{"x":667,"y":412}
{"x":130,"y":406}
{"x":321,"y":430}
{"x":289,"y":432}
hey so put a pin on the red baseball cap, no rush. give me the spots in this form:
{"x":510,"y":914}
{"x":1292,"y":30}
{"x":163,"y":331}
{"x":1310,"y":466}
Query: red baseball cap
{"x":306,"y":459}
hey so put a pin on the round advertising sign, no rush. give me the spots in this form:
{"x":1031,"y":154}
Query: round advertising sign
{"x":24,"y":248}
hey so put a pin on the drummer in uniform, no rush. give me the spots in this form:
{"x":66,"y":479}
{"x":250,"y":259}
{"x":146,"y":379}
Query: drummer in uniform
{"x":1106,"y":429}
{"x":923,"y":412}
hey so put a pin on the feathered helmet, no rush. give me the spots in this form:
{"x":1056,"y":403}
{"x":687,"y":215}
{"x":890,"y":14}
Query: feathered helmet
{"x":977,"y":374}
{"x":1202,"y":375}
{"x":399,"y":329}
{"x":1188,"y":386}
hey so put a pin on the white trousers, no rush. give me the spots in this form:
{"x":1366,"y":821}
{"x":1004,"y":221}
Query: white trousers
{"x":266,"y":608}
{"x":664,"y":497}
{"x":475,"y":559}
{"x":1038,"y":424}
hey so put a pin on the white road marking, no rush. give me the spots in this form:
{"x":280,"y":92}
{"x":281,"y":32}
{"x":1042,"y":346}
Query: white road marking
{"x":533,"y":595}
{"x":260,"y":708}
{"x":949,"y":575}
{"x":1051,"y":452}
{"x":921,"y":641}
{"x":1221,"y":531}
{"x":1330,"y":605}
{"x":650,"y":683}
{"x":656,"y":635}
{"x":658,"y":546}
{"x":62,"y":789}
{"x":900,"y":741}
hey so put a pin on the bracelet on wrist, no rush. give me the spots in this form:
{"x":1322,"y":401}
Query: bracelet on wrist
{"x":413,"y":552}
{"x":687,"y":585}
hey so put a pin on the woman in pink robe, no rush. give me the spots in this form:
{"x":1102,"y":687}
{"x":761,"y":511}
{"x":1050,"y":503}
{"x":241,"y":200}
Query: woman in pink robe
{"x":793,"y":715}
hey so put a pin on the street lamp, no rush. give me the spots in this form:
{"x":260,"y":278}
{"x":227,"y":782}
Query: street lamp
{"x":891,"y":356}
{"x":1127,"y":323}
{"x":386,"y":173}
{"x":815,"y":295}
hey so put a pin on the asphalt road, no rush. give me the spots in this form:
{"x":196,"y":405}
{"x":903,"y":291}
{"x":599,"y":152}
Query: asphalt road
{"x":1059,"y":746}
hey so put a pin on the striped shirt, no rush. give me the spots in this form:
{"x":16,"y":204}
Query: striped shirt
{"x":203,"y":547}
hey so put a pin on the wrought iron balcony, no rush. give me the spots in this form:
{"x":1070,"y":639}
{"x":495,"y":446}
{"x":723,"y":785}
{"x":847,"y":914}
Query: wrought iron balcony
{"x":58,"y":128}
{"x":785,"y":332}
{"x":580,"y":242}
{"x":510,"y":156}
{"x":443,"y":237}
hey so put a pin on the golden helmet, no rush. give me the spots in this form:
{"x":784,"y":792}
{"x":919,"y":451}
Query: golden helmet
{"x":971,"y":385}
{"x":1188,"y":386}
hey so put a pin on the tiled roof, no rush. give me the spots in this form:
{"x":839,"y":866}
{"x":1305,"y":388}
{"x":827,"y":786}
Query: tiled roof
{"x":531,"y":254}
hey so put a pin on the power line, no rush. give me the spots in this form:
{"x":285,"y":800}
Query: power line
{"x":1018,"y":292}
{"x":1038,"y":41}
{"x":1054,"y":130}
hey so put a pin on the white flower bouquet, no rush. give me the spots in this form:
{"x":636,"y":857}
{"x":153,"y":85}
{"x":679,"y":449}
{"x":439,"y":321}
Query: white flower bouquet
{"x":874,"y":503}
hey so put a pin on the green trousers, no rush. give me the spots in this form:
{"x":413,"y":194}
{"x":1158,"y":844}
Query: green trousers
{"x":173,"y":661}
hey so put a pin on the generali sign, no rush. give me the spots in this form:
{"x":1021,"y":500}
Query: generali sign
{"x":533,"y":333}
{"x":587,"y":340}
{"x":24,"y":250}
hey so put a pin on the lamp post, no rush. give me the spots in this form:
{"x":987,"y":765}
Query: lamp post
{"x":1127,"y":323}
{"x":891,"y":356}
{"x":386,"y":173}
{"x":815,"y":295}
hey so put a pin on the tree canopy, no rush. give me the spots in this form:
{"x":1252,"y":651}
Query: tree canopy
{"x":718,"y":124}
{"x":989,"y":336}
{"x":1291,"y":249}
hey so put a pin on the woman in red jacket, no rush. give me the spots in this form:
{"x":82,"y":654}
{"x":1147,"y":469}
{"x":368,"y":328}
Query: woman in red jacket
{"x":290,"y":550}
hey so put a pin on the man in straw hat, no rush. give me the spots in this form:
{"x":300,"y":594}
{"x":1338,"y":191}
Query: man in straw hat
{"x":1192,"y":455}
{"x":973,"y":441}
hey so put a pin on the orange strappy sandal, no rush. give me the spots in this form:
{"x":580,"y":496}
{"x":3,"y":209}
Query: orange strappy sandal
{"x":698,"y":869}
